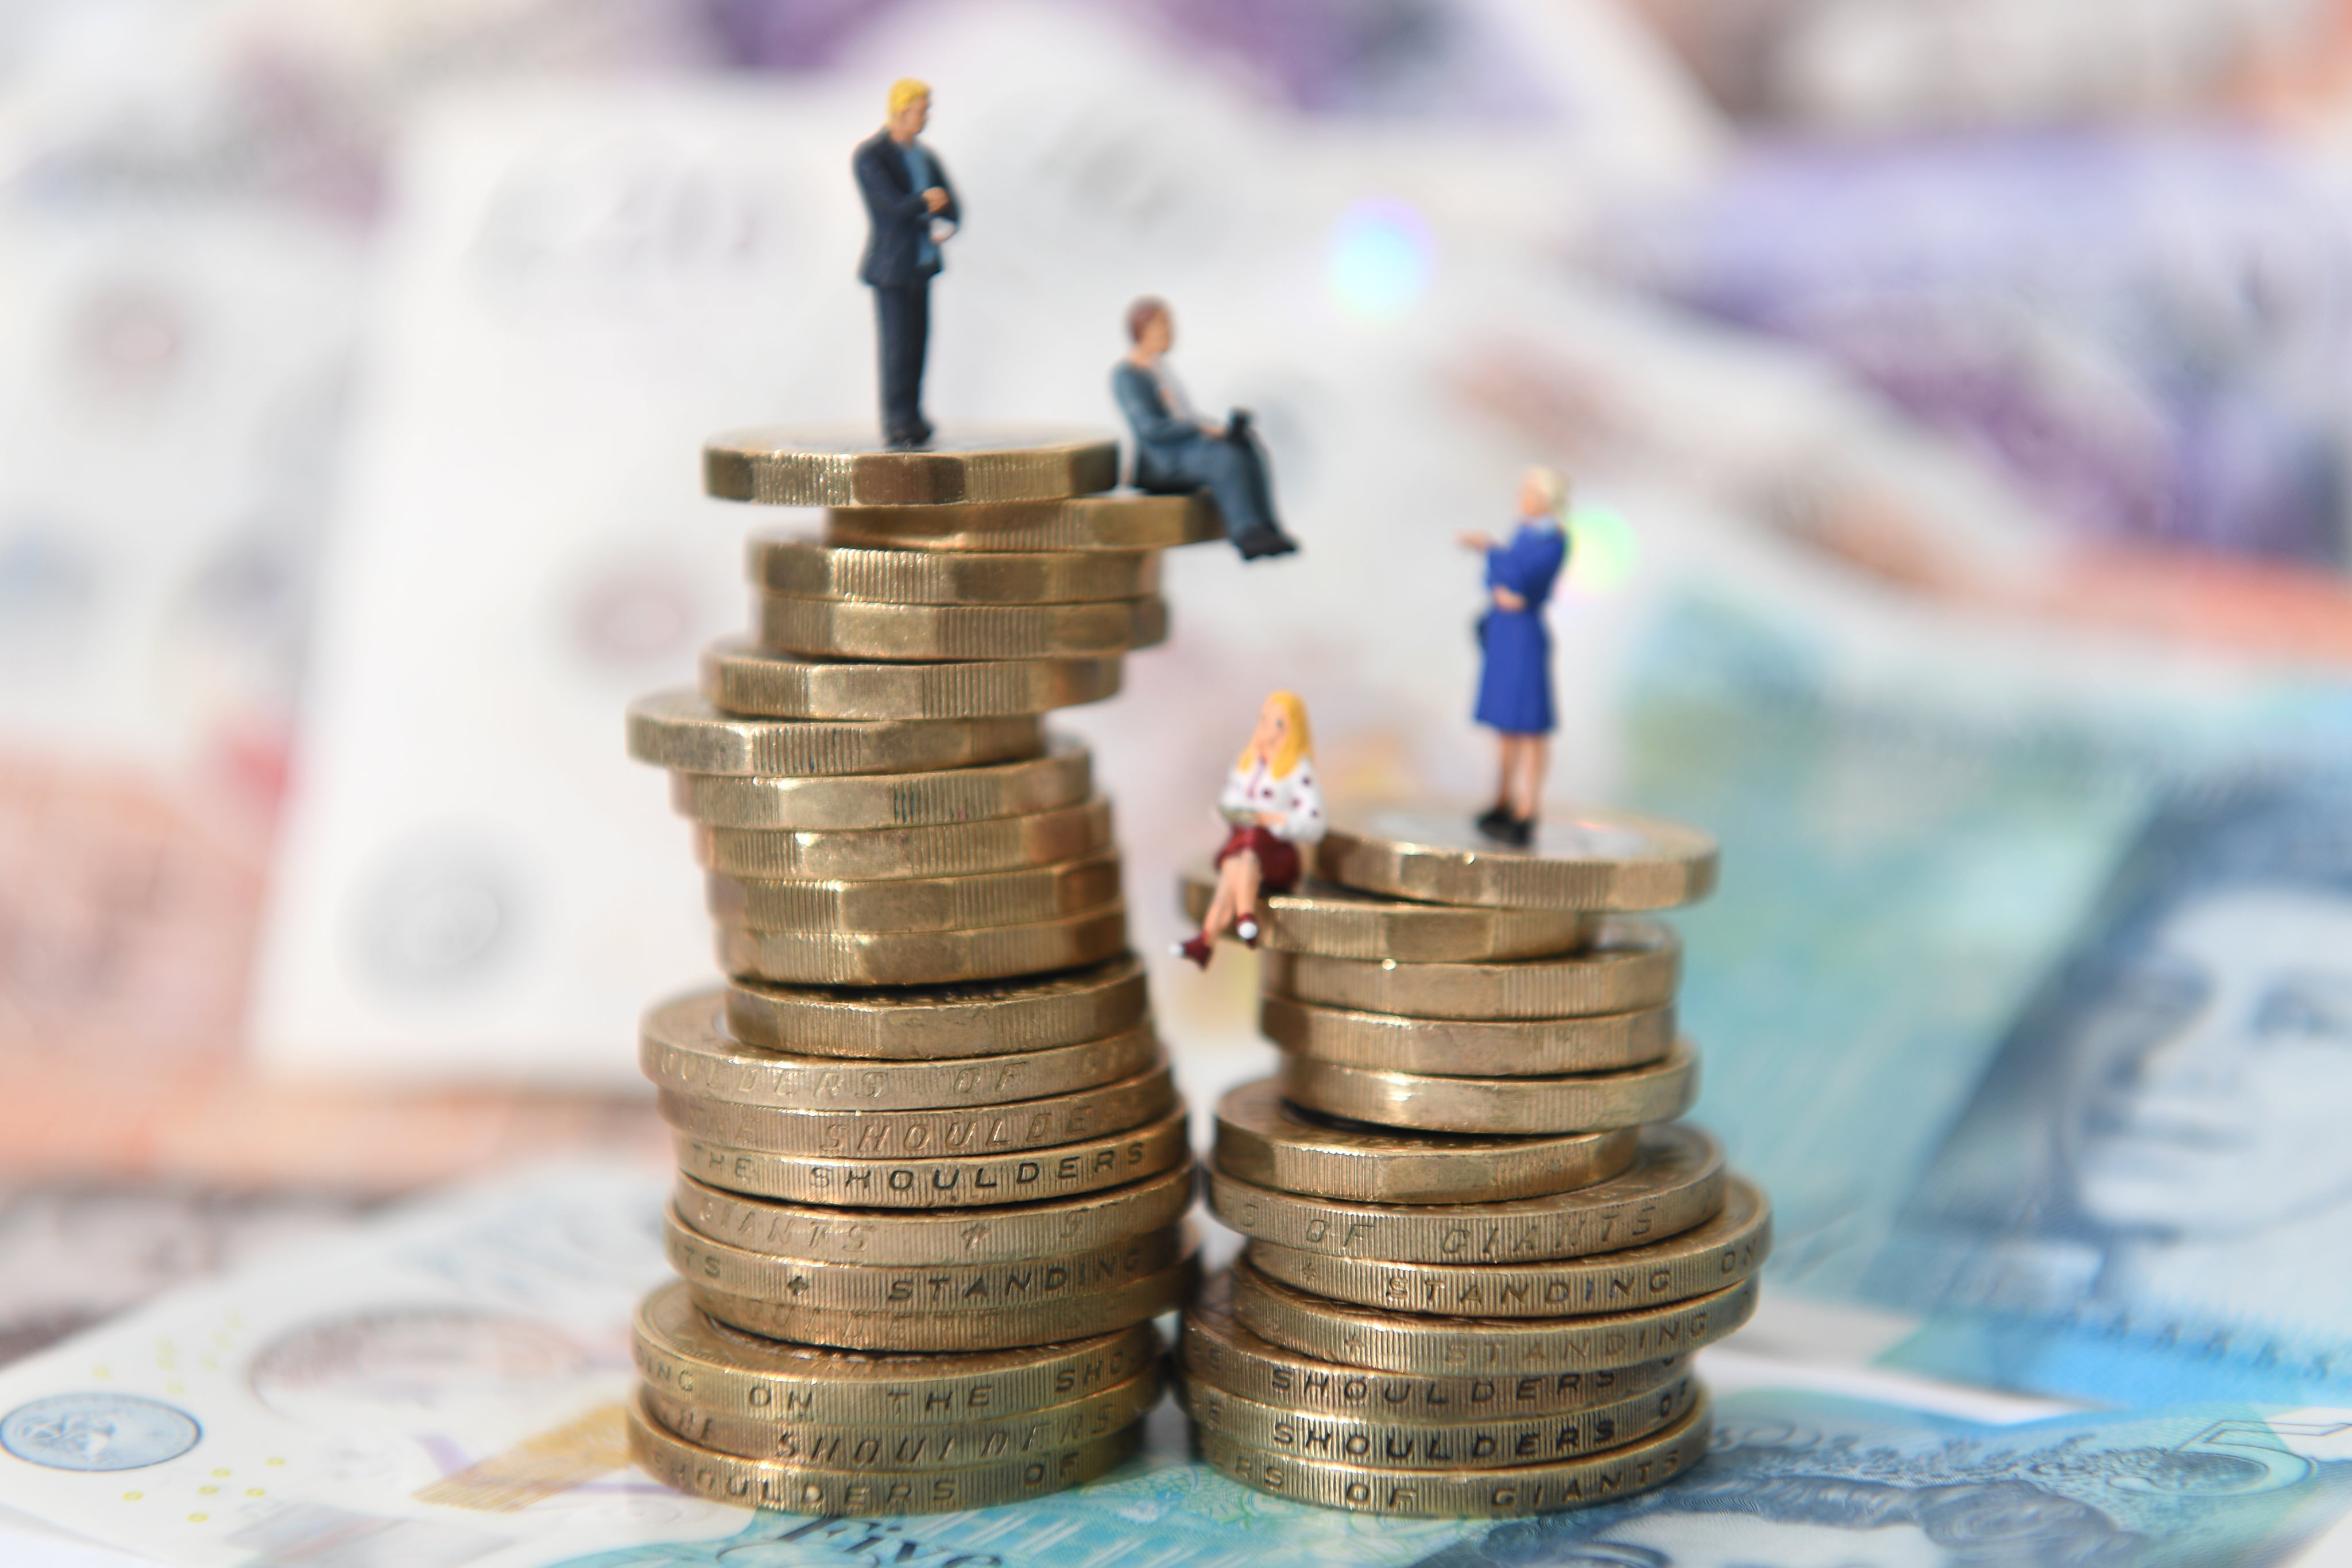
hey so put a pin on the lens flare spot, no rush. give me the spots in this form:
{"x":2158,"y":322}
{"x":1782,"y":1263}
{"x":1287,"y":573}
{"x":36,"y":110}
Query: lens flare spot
{"x":1602,"y":553}
{"x":1382,"y":255}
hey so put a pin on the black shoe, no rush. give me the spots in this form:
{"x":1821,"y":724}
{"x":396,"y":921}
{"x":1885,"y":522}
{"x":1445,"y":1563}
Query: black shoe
{"x":1494,"y":822}
{"x":907,"y":441}
{"x":1519,"y":833}
{"x":1265,"y":541}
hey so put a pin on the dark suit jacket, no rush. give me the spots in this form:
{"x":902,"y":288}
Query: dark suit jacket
{"x":896,"y":216}
{"x":1167,"y":449}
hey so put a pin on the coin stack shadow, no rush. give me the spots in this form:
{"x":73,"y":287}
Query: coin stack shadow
{"x":1481,"y":1248}
{"x":932,"y":1169}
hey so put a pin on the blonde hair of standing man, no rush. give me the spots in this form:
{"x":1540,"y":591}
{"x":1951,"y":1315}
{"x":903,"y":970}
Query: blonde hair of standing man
{"x":905,"y":91}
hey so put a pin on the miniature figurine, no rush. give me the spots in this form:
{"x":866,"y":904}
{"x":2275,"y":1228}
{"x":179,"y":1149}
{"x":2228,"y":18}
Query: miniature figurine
{"x":910,"y":209}
{"x":1272,"y":805}
{"x":1177,"y":452}
{"x":1515,"y":688}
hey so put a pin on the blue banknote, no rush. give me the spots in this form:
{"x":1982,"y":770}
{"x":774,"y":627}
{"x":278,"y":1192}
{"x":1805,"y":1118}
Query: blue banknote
{"x":1795,"y":1479}
{"x":2037,"y":1027}
{"x":2152,"y":1179}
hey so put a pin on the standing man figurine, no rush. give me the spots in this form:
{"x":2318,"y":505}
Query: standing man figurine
{"x":910,"y":208}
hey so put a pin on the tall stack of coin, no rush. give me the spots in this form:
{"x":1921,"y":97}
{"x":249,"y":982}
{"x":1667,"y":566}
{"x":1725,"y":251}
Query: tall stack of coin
{"x":1481,"y":1247}
{"x":933,"y":1171}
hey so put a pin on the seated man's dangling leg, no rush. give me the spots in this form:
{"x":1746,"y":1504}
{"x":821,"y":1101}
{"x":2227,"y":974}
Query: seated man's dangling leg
{"x":1258,"y":473}
{"x":1265,"y":536}
{"x":1225,"y":477}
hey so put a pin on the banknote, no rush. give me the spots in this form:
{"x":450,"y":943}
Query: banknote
{"x":1796,"y":1477}
{"x":472,"y":1348}
{"x":1881,"y":69}
{"x":2055,"y":1075}
{"x":2146,"y":1189}
{"x":442,"y":1387}
{"x":74,"y":1254}
{"x":151,"y":625}
{"x":188,"y":285}
{"x":2074,"y":342}
{"x":1454,"y":65}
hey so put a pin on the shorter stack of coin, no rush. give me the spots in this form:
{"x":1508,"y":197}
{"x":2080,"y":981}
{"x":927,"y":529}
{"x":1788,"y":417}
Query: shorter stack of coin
{"x":1481,"y":1247}
{"x":932,"y":1168}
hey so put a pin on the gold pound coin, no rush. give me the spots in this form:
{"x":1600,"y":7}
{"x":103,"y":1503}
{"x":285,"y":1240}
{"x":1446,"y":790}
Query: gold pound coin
{"x":1390,"y":1443}
{"x":922,"y":1238}
{"x":1631,"y":965}
{"x":806,"y":569}
{"x":1548,"y":1487}
{"x":738,"y":678}
{"x":1712,"y":1257}
{"x":954,"y":849}
{"x":916,"y":1023}
{"x":784,"y":467}
{"x":795,"y":1488}
{"x":1076,"y":1317}
{"x":682,"y":1354}
{"x":1675,"y":1182}
{"x":1457,"y":1047}
{"x":683,"y":1046}
{"x":860,"y":1133}
{"x":679,"y":730}
{"x":1418,"y":1346}
{"x":1502,"y":1107}
{"x":1062,"y":777}
{"x":1591,"y":859}
{"x":1220,"y":1353}
{"x":1266,"y":1142}
{"x":851,"y":629}
{"x":1125,"y":521}
{"x":980,"y":1181}
{"x":1341,"y":923}
{"x":935,"y":1447}
{"x":1006,"y":1286}
{"x":922,"y":957}
{"x":916,"y":903}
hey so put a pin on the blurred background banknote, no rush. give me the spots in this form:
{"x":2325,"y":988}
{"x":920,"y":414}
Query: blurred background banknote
{"x":443,"y":1388}
{"x":1959,"y":531}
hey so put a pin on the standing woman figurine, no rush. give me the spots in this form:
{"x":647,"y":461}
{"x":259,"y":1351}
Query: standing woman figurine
{"x":1515,"y":689}
{"x":1272,"y":805}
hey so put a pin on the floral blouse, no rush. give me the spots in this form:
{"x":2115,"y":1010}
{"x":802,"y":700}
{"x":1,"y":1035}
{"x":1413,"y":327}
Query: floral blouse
{"x":1295,"y":795}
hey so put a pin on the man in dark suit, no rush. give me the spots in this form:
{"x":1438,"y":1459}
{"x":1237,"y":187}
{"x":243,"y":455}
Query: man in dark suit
{"x":911,"y":208}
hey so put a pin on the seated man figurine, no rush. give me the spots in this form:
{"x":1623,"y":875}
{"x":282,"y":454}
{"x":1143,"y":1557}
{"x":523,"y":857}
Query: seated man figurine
{"x":1177,"y":452}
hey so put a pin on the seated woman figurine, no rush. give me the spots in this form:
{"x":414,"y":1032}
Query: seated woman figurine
{"x":1177,"y":452}
{"x":1271,"y":805}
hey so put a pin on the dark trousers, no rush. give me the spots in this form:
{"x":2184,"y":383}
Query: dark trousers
{"x":903,"y":315}
{"x":1232,"y":468}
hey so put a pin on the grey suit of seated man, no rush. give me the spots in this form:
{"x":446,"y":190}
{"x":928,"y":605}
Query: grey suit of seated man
{"x":1176,"y":452}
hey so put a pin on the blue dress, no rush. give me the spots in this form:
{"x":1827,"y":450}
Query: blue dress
{"x":1515,"y":690}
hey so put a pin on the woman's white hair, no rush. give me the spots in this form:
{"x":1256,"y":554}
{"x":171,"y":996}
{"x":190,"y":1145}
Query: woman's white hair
{"x":1552,"y":485}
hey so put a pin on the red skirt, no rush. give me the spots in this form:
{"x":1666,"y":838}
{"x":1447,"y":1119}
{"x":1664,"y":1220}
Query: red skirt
{"x":1277,"y":858}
